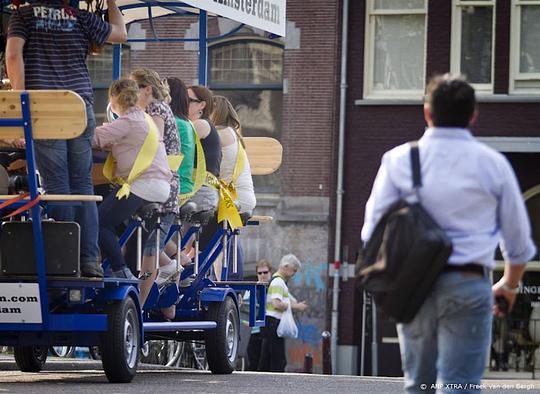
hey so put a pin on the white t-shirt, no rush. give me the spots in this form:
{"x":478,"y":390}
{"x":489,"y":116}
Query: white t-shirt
{"x":277,"y":290}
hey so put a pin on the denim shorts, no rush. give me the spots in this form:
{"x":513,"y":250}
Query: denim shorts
{"x":150,"y":245}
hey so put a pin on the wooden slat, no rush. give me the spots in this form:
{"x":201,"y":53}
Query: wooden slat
{"x":56,"y":114}
{"x":258,"y":218}
{"x":264,"y":154}
{"x":58,"y":197}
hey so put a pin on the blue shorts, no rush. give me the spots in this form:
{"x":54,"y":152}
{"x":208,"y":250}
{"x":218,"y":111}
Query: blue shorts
{"x":150,"y":245}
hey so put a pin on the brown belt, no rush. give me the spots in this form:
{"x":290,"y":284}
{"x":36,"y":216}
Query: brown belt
{"x":470,"y":268}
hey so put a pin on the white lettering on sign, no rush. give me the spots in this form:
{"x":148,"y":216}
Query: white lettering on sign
{"x":19,"y":303}
{"x":268,"y":15}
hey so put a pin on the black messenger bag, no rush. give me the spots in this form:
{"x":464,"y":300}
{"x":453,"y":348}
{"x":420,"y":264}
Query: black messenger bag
{"x":406,"y":253}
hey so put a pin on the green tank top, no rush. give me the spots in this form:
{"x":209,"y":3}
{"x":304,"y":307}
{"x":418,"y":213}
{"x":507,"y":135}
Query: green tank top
{"x":187,"y":139}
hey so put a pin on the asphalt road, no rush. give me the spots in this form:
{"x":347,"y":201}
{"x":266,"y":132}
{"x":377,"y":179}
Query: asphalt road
{"x":84,"y":376}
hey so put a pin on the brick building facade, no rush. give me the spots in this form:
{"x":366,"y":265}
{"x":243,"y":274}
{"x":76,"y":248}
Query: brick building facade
{"x":508,"y":121}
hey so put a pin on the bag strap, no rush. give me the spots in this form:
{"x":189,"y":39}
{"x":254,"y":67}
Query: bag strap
{"x":415,"y":165}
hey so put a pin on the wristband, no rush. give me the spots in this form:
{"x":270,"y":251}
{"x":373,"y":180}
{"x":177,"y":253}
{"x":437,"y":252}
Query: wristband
{"x":513,"y":290}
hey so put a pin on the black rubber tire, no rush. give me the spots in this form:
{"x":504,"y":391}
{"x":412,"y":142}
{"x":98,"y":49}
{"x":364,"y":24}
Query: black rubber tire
{"x":120,"y":345}
{"x":30,"y":358}
{"x":222,"y":342}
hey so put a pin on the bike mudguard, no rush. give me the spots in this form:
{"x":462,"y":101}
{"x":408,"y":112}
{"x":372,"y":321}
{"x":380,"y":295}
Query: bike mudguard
{"x":218,"y":294}
{"x":119,"y":293}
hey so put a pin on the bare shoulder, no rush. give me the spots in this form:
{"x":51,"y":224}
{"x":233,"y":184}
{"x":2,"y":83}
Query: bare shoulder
{"x":202,"y":127}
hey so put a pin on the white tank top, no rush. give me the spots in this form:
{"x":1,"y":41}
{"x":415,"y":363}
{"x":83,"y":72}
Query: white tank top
{"x":244,"y":183}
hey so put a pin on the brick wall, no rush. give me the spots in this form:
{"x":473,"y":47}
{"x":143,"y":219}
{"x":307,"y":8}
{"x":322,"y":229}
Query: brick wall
{"x":168,"y":59}
{"x":372,"y":130}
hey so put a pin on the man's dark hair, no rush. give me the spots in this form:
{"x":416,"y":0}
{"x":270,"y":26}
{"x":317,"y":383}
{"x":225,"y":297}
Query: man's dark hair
{"x":451,"y":101}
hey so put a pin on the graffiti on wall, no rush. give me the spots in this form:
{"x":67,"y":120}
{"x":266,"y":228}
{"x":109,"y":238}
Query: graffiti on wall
{"x":308,"y":285}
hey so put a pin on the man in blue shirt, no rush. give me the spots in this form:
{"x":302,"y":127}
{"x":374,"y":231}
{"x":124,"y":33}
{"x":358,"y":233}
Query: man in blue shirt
{"x":48,"y":43}
{"x":471,"y":191}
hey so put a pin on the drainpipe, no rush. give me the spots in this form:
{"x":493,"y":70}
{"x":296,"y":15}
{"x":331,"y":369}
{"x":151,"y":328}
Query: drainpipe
{"x":339,"y":189}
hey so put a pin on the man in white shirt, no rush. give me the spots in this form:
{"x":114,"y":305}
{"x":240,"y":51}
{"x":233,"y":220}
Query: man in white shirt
{"x":471,"y":191}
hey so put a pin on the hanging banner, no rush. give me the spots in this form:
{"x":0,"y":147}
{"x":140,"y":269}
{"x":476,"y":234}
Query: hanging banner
{"x":267,"y":15}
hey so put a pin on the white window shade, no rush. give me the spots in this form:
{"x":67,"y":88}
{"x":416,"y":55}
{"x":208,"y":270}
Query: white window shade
{"x":398,"y":4}
{"x":395,"y":50}
{"x":399,"y":56}
{"x":524,"y":48}
{"x":529,"y":59}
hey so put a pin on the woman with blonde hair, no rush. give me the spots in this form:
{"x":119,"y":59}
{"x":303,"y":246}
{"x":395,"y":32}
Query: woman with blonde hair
{"x":125,"y":137}
{"x":227,"y":122}
{"x":152,"y":96}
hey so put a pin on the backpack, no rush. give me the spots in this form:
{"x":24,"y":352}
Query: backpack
{"x":406,"y":253}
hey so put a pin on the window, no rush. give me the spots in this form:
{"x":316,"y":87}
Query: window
{"x":100,"y":70}
{"x":525,"y":51}
{"x":473,"y":34}
{"x":395,"y":49}
{"x":249,"y":72}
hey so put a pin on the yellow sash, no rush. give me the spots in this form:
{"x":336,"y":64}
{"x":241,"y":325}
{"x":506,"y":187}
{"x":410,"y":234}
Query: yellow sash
{"x":144,"y":159}
{"x":227,"y":209}
{"x":227,"y":191}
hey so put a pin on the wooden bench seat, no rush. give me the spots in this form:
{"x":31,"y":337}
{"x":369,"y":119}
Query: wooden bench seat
{"x":56,"y":114}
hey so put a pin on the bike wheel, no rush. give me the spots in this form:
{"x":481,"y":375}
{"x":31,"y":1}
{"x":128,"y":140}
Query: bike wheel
{"x":120,"y":346}
{"x":63,"y":351}
{"x":222,"y":343}
{"x":30,"y":358}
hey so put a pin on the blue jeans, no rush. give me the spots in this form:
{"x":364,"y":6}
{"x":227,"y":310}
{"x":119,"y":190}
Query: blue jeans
{"x":65,"y":167}
{"x":445,"y":347}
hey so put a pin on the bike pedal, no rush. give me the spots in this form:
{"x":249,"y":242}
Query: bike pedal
{"x":145,"y":276}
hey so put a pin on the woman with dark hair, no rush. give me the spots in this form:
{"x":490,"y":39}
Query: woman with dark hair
{"x":180,"y":107}
{"x":200,"y":108}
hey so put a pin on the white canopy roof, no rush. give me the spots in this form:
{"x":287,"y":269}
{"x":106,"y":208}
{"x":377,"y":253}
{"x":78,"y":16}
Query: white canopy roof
{"x":268,"y":15}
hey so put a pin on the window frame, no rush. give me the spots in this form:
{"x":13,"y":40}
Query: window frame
{"x":515,"y":48}
{"x":455,"y":45}
{"x":369,"y":53}
{"x":242,"y":86}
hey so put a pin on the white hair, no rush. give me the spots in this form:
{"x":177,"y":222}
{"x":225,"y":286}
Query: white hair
{"x":290,"y":260}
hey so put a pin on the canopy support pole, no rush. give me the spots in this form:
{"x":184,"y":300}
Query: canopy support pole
{"x":203,"y":47}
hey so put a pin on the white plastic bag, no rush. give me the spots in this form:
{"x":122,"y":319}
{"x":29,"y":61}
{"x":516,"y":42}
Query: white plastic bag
{"x":287,"y":326}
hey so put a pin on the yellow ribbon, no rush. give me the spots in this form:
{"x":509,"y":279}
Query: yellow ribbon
{"x":241,"y":158}
{"x":144,"y":159}
{"x":226,"y":207}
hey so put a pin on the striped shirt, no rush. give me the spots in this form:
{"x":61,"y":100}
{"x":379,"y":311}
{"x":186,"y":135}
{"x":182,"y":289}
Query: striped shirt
{"x":277,"y":290}
{"x":57,"y":43}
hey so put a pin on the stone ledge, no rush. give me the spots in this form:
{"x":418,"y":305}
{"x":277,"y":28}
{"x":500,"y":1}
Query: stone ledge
{"x":303,"y":209}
